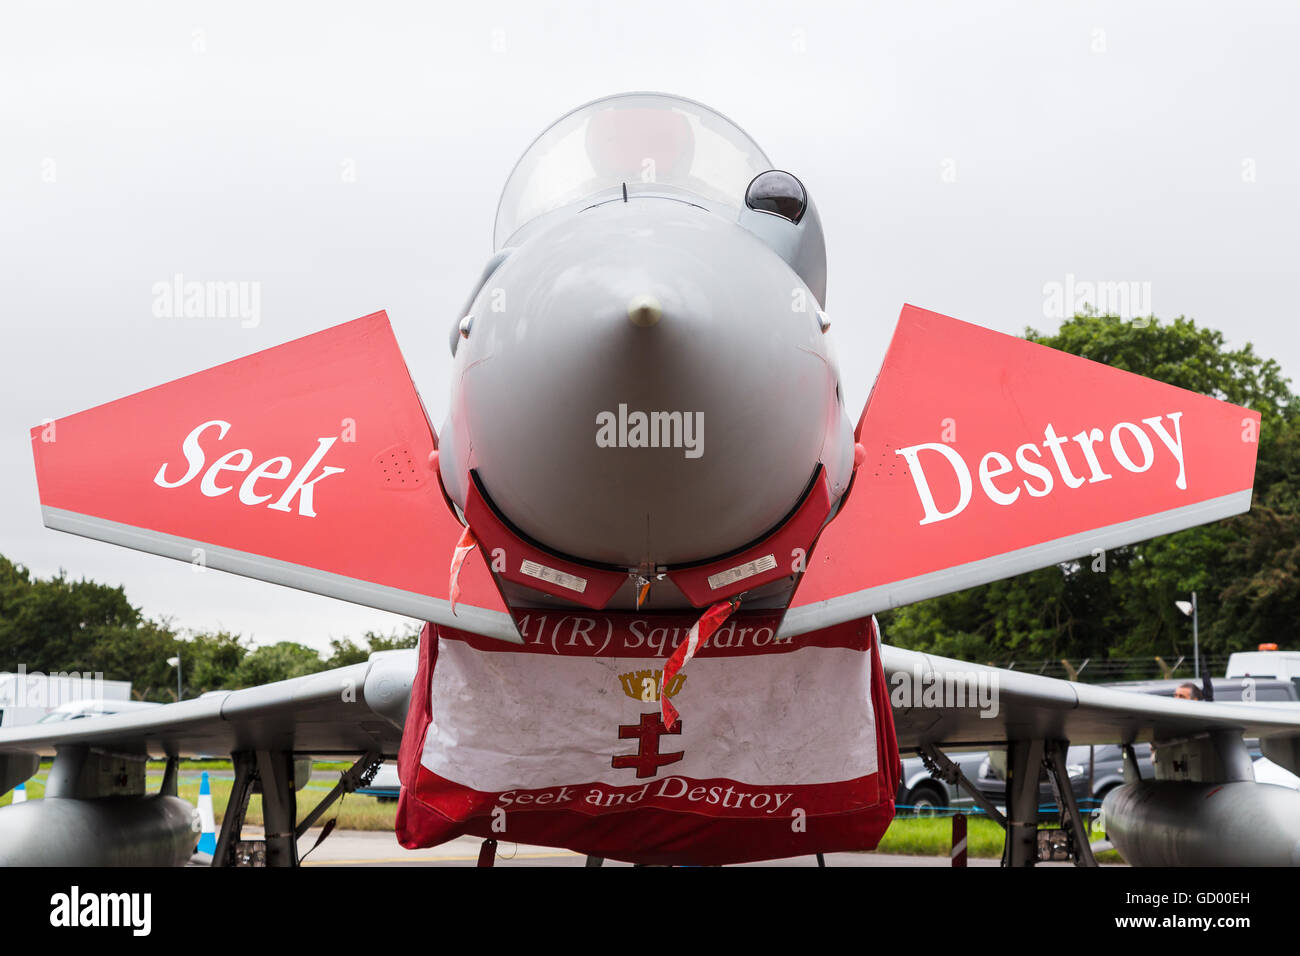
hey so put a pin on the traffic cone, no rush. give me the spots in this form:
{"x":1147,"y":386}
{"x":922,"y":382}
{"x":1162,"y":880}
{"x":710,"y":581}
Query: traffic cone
{"x":207,"y":820}
{"x":20,"y":793}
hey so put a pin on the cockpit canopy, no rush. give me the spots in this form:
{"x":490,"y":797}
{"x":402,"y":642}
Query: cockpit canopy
{"x":651,"y":142}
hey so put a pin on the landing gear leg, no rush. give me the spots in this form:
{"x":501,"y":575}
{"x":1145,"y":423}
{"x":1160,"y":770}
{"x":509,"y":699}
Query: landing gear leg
{"x":273,"y":771}
{"x":1024,"y":760}
{"x":279,"y":807}
{"x":1071,"y":819}
{"x":232,"y":824}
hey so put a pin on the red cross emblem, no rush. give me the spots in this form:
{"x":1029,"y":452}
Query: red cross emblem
{"x":647,"y":760}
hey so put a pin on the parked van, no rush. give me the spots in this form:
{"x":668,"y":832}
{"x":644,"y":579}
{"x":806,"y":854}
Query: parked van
{"x":1267,"y":662}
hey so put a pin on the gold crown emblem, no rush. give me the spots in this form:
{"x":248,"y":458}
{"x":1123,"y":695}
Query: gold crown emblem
{"x":648,"y":686}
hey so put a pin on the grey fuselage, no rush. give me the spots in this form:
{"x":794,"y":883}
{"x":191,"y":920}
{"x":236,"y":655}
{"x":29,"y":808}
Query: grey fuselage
{"x":729,"y":365}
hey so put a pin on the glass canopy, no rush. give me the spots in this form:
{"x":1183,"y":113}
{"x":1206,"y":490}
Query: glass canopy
{"x":650,"y":141}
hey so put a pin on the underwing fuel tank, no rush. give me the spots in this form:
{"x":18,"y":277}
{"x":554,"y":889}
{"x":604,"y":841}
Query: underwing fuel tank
{"x":1176,"y":823}
{"x":149,"y":830}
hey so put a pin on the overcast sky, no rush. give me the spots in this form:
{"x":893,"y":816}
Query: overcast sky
{"x":348,"y":157}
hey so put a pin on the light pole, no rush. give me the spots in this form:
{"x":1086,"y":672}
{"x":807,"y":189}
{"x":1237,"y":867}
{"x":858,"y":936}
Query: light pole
{"x":176,"y":663}
{"x":1189,"y":609}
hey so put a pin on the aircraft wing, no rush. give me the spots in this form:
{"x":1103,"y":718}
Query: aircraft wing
{"x":348,"y":710}
{"x":363,"y":708}
{"x":1033,"y":707}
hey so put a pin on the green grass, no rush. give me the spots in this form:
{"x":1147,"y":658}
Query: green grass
{"x":932,"y":836}
{"x":320,"y":767}
{"x":355,"y":811}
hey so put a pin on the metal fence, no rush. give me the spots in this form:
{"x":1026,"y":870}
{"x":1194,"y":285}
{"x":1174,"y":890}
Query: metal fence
{"x":1103,"y":670}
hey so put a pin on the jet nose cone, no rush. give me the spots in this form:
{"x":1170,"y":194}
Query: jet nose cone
{"x":644,"y":311}
{"x":648,"y":394}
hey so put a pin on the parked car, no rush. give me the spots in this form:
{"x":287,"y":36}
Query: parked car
{"x":995,"y":788}
{"x":1266,"y":771}
{"x":1107,"y":761}
{"x":1094,"y":771}
{"x":386,"y":787}
{"x":920,"y":793}
{"x":1104,"y":765}
{"x":79,"y":709}
{"x":1231,"y":689}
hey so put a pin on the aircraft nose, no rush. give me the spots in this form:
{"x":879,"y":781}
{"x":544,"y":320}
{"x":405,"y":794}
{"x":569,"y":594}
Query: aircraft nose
{"x":649,"y":392}
{"x":644,"y":311}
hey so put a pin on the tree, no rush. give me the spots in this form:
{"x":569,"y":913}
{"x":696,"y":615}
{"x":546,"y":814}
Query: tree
{"x":278,"y":661}
{"x":1261,"y":600}
{"x":345,"y":652}
{"x":55,"y":625}
{"x":211,"y":662}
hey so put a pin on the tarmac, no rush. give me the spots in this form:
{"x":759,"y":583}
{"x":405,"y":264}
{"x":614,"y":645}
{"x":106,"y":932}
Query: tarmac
{"x":380,"y":848}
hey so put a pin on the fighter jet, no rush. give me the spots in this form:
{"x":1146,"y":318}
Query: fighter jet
{"x":648,"y":541}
